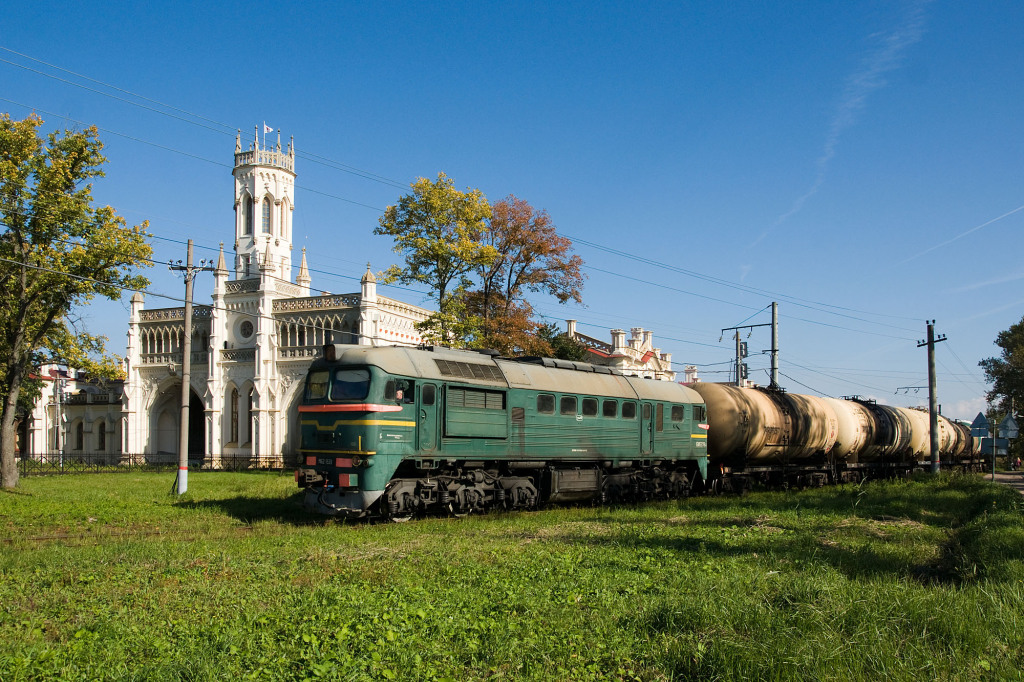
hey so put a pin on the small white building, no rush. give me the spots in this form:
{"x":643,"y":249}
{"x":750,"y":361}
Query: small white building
{"x":636,"y":356}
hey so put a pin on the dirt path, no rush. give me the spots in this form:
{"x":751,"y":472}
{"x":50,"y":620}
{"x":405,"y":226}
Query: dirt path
{"x":1014,"y":479}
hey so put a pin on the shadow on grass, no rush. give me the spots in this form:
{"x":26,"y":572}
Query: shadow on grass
{"x":860,"y":531}
{"x":247,"y":509}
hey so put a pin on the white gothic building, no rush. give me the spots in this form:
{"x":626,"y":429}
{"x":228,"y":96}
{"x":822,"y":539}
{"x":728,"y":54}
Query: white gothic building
{"x":252,"y":344}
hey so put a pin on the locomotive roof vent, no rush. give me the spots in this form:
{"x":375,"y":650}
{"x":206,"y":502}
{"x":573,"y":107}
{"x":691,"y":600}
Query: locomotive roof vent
{"x":557,"y":363}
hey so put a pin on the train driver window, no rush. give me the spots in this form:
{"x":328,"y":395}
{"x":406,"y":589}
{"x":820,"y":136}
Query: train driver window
{"x":678,"y":413}
{"x":407,"y":389}
{"x":567,"y":405}
{"x":316,"y":385}
{"x":610,"y":408}
{"x":659,"y":421}
{"x":590,"y":407}
{"x":389,"y":390}
{"x":350,"y":384}
{"x":428,"y":394}
{"x":647,"y":410}
{"x":546,"y":403}
{"x":629,"y":410}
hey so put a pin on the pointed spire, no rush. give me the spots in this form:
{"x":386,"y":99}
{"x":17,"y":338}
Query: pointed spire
{"x":238,"y":141}
{"x":368,"y":278}
{"x":222,"y":267}
{"x":303,"y":279}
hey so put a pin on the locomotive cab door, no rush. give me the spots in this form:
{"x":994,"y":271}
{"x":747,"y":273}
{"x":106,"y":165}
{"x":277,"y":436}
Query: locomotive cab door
{"x":427,"y":431}
{"x":646,"y":428}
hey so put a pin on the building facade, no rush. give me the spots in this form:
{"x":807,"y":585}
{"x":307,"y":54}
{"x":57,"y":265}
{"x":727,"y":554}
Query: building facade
{"x":635,"y":356}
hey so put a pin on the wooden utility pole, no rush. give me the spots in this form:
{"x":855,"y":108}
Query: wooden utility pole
{"x":933,"y":412}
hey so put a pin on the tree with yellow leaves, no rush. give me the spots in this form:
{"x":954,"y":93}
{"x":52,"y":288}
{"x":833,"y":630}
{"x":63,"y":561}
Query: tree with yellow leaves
{"x":57,"y":251}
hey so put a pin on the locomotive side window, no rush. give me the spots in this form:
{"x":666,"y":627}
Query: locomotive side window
{"x":590,"y":407}
{"x":700,"y":413}
{"x":316,"y":386}
{"x":350,"y":384}
{"x":659,"y":420}
{"x":389,"y":390}
{"x":647,"y":411}
{"x":678,"y":413}
{"x":546,"y":403}
{"x":567,"y":405}
{"x":609,"y":408}
{"x":629,"y":410}
{"x":428,"y":394}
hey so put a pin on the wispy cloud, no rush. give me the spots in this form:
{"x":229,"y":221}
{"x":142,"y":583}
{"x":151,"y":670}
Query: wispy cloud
{"x":886,"y":55}
{"x":963,"y":234}
{"x":988,"y":283}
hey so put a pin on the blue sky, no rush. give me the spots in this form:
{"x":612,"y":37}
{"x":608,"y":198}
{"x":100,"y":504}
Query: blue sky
{"x":859,"y":162}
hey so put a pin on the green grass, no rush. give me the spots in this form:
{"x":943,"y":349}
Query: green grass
{"x":108,"y":576}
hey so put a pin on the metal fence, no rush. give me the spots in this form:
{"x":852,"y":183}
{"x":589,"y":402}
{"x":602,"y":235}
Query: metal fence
{"x":55,"y":463}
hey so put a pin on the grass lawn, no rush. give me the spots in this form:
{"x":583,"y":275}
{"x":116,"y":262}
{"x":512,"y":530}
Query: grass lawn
{"x":108,"y":576}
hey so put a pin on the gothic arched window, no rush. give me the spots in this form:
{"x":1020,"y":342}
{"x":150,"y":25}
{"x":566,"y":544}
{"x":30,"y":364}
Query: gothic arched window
{"x":234,"y":416}
{"x":266,"y":215}
{"x":246,"y":206}
{"x":80,"y":436}
{"x":101,"y":436}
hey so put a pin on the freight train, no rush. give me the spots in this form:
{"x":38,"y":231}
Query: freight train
{"x":395,"y":431}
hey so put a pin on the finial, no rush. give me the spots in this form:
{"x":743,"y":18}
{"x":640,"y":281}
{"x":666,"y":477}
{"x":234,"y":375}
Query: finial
{"x":278,"y":139}
{"x":238,"y":141}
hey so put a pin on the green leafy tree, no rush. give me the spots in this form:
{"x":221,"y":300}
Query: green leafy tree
{"x":436,"y":228}
{"x":1006,"y":372}
{"x":57,"y":251}
{"x":562,"y":345}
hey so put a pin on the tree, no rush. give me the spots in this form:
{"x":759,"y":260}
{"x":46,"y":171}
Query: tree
{"x":1006,"y":372}
{"x":57,"y":252}
{"x":562,"y":345}
{"x":530,"y":257}
{"x":436,"y":229}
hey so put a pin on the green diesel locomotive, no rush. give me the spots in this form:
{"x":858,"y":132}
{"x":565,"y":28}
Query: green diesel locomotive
{"x":399,"y":431}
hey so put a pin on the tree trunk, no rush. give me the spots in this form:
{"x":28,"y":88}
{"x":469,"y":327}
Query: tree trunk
{"x":8,"y":462}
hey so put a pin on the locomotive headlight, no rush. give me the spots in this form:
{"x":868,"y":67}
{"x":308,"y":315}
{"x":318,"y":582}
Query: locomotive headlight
{"x":357,"y":461}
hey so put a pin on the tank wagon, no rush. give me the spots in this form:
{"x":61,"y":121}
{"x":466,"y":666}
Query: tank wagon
{"x":394,"y":431}
{"x":768,"y":435}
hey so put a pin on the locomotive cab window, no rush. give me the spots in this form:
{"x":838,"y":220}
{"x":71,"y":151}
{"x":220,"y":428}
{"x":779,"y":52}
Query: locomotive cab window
{"x":609,"y":408}
{"x":350,"y":384}
{"x":389,"y":390}
{"x":700,"y":413}
{"x":629,"y":410}
{"x":428,"y":394}
{"x":678,"y":413}
{"x":647,"y":410}
{"x":546,"y":403}
{"x":659,"y":420}
{"x":316,"y":385}
{"x":567,"y":405}
{"x":590,"y":407}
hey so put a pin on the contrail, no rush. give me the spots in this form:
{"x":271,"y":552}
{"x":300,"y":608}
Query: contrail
{"x":962,"y":234}
{"x":886,"y":57}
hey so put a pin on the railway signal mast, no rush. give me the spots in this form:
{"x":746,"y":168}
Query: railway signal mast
{"x":741,"y":348}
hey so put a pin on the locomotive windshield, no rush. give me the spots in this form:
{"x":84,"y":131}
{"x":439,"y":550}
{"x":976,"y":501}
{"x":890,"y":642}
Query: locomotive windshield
{"x":341,"y":384}
{"x":350,"y":384}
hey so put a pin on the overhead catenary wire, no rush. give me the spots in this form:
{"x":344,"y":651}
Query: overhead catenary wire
{"x":376,"y":177}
